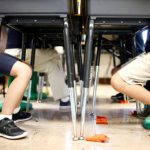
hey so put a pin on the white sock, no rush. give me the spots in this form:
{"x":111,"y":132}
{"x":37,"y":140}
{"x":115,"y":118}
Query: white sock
{"x":66,"y":99}
{"x":5,"y":116}
{"x":16,"y":110}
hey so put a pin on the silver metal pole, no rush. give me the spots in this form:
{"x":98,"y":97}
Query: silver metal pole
{"x":83,"y":110}
{"x":95,"y":90}
{"x":87,"y":65}
{"x":39,"y":88}
{"x":42,"y":85}
{"x":70,"y":72}
{"x":28,"y":96}
{"x":73,"y":113}
{"x":75,"y":95}
{"x":81,"y":91}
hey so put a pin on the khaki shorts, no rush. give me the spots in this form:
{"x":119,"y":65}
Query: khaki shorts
{"x":136,"y":71}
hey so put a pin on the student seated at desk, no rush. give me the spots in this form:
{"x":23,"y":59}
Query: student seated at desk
{"x":46,"y":60}
{"x":22,"y":72}
{"x":132,"y":77}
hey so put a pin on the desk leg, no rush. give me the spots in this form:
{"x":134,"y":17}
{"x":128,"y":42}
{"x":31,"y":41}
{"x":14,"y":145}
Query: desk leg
{"x":70,"y":71}
{"x":96,"y":74}
{"x":32,"y":64}
{"x":87,"y":65}
{"x":23,"y":56}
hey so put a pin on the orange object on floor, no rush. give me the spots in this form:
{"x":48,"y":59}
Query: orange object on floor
{"x":101,"y":120}
{"x":123,"y":101}
{"x":98,"y":138}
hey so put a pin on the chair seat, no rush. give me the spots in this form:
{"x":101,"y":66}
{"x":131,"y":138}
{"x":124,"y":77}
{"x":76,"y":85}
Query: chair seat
{"x":123,"y":8}
{"x":11,"y":7}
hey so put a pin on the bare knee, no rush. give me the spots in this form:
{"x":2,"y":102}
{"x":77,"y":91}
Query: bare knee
{"x":117,"y":82}
{"x":113,"y":80}
{"x":21,"y":69}
{"x":29,"y":71}
{"x":26,"y":71}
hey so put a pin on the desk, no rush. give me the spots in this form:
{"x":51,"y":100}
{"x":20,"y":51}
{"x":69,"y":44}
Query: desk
{"x":110,"y":17}
{"x":44,"y":18}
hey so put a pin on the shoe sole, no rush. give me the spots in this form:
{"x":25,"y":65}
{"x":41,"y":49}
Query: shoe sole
{"x":64,"y":107}
{"x":21,"y":120}
{"x":69,"y":107}
{"x":14,"y":137}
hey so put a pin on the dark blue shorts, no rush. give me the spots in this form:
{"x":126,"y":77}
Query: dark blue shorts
{"x":6,"y":63}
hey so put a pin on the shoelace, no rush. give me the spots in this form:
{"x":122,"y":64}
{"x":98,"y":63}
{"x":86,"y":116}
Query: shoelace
{"x":8,"y":123}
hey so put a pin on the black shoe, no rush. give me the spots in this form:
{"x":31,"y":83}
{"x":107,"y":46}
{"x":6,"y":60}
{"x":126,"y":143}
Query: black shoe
{"x":117,"y":97}
{"x":21,"y":116}
{"x":24,"y":98}
{"x":145,"y":113}
{"x":10,"y":131}
{"x":64,"y":105}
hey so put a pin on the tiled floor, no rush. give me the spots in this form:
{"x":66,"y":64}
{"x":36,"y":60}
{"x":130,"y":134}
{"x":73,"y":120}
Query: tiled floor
{"x":51,"y":129}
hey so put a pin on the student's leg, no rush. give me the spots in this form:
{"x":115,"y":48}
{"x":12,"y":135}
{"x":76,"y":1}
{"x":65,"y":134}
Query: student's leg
{"x":57,"y":82}
{"x":135,"y":91}
{"x":22,"y":73}
{"x":18,"y":114}
{"x":48,"y":61}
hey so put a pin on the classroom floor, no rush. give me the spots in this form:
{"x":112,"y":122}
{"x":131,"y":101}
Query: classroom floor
{"x":51,"y":129}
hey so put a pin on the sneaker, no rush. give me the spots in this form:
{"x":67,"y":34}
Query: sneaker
{"x":10,"y":131}
{"x":21,"y":116}
{"x":117,"y":97}
{"x":64,"y":105}
{"x":145,"y":113}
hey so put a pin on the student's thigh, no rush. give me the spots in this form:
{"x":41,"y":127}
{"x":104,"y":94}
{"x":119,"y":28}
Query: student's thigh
{"x":137,"y":71}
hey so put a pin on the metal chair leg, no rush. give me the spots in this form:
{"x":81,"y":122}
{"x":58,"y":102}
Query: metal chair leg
{"x":138,"y":107}
{"x":87,"y":64}
{"x":74,"y":80}
{"x":40,"y":87}
{"x":23,"y":58}
{"x":24,"y":39}
{"x":32,"y":64}
{"x":75,"y":94}
{"x":70,"y":72}
{"x":28,"y":96}
{"x":96,"y":74}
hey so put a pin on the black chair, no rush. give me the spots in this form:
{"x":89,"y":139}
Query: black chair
{"x":46,"y":19}
{"x":110,"y":17}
